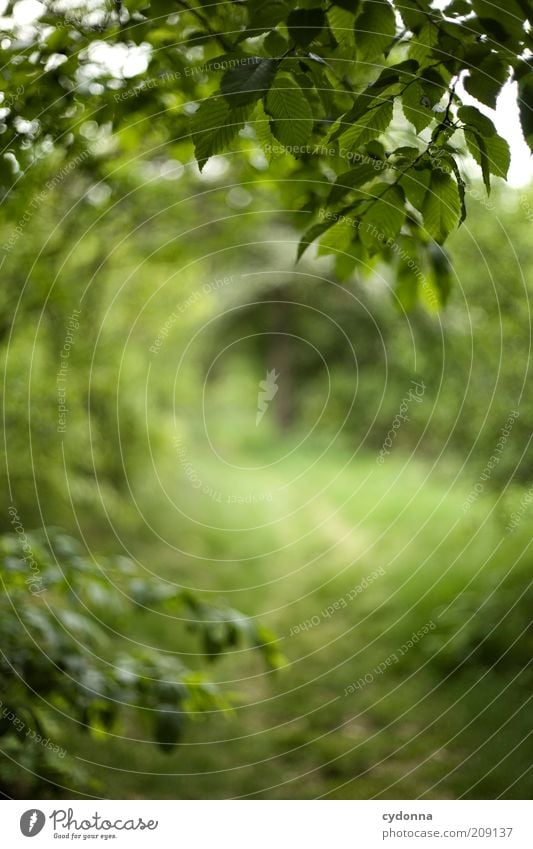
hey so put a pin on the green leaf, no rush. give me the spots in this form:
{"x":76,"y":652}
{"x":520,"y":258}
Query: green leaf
{"x":408,"y":273}
{"x":525,"y":106}
{"x":214,"y":126}
{"x":502,"y":19}
{"x":292,"y":119}
{"x":337,"y":238}
{"x":442,"y":271}
{"x":313,"y":233}
{"x":248,"y":82}
{"x":261,"y":125}
{"x":475,"y":120}
{"x":415,"y":14}
{"x":477,"y":147}
{"x":265,"y":14}
{"x":415,"y":184}
{"x":305,"y":25}
{"x":369,"y":126}
{"x":354,"y":178}
{"x":384,"y":219}
{"x":347,"y":5}
{"x":460,"y":188}
{"x":424,"y":40}
{"x":442,"y":207}
{"x":374,"y":29}
{"x":491,"y":153}
{"x":417,"y":107}
{"x":485,"y":82}
{"x":341,"y":24}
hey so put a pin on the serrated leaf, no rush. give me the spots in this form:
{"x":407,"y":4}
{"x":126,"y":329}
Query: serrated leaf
{"x":369,"y":126}
{"x":341,"y":23}
{"x":491,"y":153}
{"x":442,"y":208}
{"x":384,"y":219}
{"x":354,"y":178}
{"x":407,"y":281}
{"x":460,"y":188}
{"x":261,"y":125}
{"x":214,"y":126}
{"x":476,"y":146}
{"x":337,"y":238}
{"x":381,"y":91}
{"x":414,"y":14}
{"x":525,"y":106}
{"x":312,"y":234}
{"x":292,"y":119}
{"x":415,"y":184}
{"x":424,"y":40}
{"x":248,"y":82}
{"x":485,"y":82}
{"x":304,"y":25}
{"x":503,"y":19}
{"x":265,"y":14}
{"x":374,"y":29}
{"x":442,"y":271}
{"x":475,"y":120}
{"x":417,"y":107}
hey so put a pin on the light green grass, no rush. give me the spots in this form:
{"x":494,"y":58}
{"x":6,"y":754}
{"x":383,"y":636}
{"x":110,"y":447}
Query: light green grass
{"x":419,"y":729}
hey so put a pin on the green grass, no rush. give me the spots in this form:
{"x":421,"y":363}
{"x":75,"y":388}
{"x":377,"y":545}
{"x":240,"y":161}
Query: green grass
{"x":437,"y":724}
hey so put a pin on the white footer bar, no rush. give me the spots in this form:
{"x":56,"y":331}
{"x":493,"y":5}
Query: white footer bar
{"x":268,"y":824}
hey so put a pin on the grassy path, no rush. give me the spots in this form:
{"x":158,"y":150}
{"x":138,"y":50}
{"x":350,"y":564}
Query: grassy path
{"x":414,"y":727}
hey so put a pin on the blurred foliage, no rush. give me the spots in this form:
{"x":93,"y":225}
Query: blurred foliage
{"x":118,"y":245}
{"x":317,"y":88}
{"x":61,"y":614}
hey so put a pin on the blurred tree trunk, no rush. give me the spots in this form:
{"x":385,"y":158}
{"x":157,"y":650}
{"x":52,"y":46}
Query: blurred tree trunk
{"x":281,"y":358}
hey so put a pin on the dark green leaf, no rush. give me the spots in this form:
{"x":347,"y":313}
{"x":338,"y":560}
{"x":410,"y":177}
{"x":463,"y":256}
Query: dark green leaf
{"x":305,"y":25}
{"x":491,"y":153}
{"x":476,"y":121}
{"x":354,"y":178}
{"x":485,"y":82}
{"x":442,"y":207}
{"x":249,"y":81}
{"x":265,"y":14}
{"x":374,"y":29}
{"x":525,"y":106}
{"x":313,"y":233}
{"x":292,"y":119}
{"x":384,"y":219}
{"x":214,"y":126}
{"x":369,"y":126}
{"x":417,"y":107}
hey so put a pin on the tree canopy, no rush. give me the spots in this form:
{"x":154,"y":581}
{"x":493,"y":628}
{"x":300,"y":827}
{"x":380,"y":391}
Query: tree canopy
{"x":354,"y":106}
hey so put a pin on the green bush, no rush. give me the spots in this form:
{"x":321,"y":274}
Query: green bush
{"x":61,"y":616}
